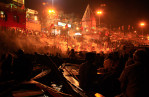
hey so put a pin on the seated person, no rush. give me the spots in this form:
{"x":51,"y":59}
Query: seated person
{"x":88,"y":72}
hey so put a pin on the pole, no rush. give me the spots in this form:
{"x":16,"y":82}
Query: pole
{"x":142,"y":33}
{"x":67,"y":39}
{"x":52,"y":3}
{"x":99,"y":20}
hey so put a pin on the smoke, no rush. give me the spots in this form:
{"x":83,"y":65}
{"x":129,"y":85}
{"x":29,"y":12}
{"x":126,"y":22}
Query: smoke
{"x":12,"y":41}
{"x":43,"y":43}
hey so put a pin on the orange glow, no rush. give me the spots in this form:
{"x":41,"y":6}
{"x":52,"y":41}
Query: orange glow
{"x":77,"y":28}
{"x":51,"y":11}
{"x":35,"y":18}
{"x":64,"y":27}
{"x":99,"y":12}
{"x":142,"y":24}
{"x":43,"y":3}
{"x":147,"y":37}
{"x":98,"y":95}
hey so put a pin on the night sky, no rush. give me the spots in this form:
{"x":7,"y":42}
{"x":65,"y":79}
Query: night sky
{"x":118,"y":12}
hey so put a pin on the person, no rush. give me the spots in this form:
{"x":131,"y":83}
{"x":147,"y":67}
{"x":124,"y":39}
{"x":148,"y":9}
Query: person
{"x":112,"y":64}
{"x":22,"y":66}
{"x":109,"y":85}
{"x":108,"y":62}
{"x":6,"y":67}
{"x":134,"y":77}
{"x":88,"y":72}
{"x":72,"y":55}
{"x":130,"y":60}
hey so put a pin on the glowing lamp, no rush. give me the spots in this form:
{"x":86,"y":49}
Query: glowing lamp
{"x":51,"y":11}
{"x":142,"y":24}
{"x":99,"y":12}
{"x":77,"y":28}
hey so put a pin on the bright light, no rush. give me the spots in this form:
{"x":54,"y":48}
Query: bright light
{"x":2,"y":12}
{"x":64,"y":27}
{"x":35,"y":18}
{"x":51,"y":11}
{"x":78,"y":34}
{"x":64,"y":24}
{"x":147,"y":37}
{"x":98,"y":95}
{"x":99,"y":12}
{"x":77,"y":28}
{"x":142,"y":24}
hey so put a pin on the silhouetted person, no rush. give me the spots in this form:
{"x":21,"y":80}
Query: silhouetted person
{"x":99,"y":61}
{"x":72,"y":55}
{"x":23,"y":66}
{"x":88,"y":73}
{"x":109,"y":85}
{"x":134,"y":82}
{"x":6,"y":66}
{"x":130,"y":60}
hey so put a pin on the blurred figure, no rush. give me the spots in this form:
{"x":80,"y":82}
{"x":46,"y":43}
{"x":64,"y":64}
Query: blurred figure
{"x":6,"y":66}
{"x":22,"y":66}
{"x":112,"y":64}
{"x":72,"y":55}
{"x":134,"y":77}
{"x":68,"y":51}
{"x":81,"y":55}
{"x":99,"y":60}
{"x":88,"y":72}
{"x":130,"y":60}
{"x":109,"y":85}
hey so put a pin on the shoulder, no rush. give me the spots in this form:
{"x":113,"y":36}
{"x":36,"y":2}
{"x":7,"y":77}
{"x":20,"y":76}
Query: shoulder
{"x":133,"y":67}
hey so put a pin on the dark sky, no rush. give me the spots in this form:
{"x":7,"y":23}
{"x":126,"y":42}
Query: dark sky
{"x":116,"y":12}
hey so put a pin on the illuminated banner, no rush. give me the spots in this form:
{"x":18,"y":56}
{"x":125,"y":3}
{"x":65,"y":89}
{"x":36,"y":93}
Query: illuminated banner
{"x":63,"y":24}
{"x":30,"y":11}
{"x":19,"y":1}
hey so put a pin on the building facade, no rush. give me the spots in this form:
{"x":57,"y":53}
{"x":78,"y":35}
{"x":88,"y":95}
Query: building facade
{"x":32,"y":21}
{"x":12,"y":16}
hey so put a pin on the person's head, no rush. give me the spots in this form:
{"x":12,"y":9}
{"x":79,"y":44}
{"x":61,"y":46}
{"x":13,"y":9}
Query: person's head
{"x":72,"y":50}
{"x":140,"y":55}
{"x":90,"y":56}
{"x":20,"y":52}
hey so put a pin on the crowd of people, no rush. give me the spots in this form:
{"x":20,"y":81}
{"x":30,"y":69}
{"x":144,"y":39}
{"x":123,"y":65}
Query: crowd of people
{"x":120,"y":73}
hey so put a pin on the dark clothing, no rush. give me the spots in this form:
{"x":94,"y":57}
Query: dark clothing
{"x":88,"y":73}
{"x":130,"y":61}
{"x":22,"y":67}
{"x":134,"y":80}
{"x":7,"y":67}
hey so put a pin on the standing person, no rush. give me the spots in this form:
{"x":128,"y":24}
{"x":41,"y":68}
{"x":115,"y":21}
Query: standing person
{"x":134,"y":77}
{"x":72,"y":55}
